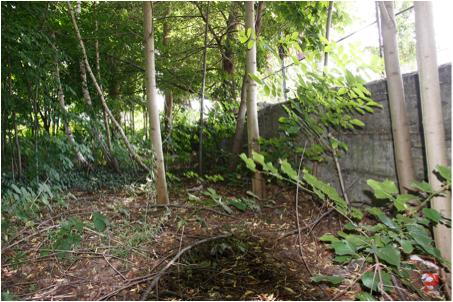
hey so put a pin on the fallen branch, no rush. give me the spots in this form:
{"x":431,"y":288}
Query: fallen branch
{"x":156,"y":279}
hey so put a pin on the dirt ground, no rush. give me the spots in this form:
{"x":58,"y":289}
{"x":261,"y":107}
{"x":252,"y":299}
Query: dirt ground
{"x":258,"y":257}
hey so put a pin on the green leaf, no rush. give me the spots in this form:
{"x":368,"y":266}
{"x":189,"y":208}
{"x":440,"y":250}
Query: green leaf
{"x":294,"y":35}
{"x":267,"y":90}
{"x":407,"y":246}
{"x":340,"y":49}
{"x":350,"y":78}
{"x":244,"y":39}
{"x":16,"y":188}
{"x":259,"y":158}
{"x":227,"y":208}
{"x":365,"y":297}
{"x":383,"y":190}
{"x":99,"y":224}
{"x":344,"y":248}
{"x":328,"y":49}
{"x":324,"y":40}
{"x":374,"y":60}
{"x":255,"y":78}
{"x":388,"y":222}
{"x":444,"y":172}
{"x":328,"y":237}
{"x":424,"y":186}
{"x":342,"y":91}
{"x":249,"y":32}
{"x":367,"y":280}
{"x":357,"y":122}
{"x":250,"y":44}
{"x":334,"y":280}
{"x":350,"y":226}
{"x":432,"y":214}
{"x":249,"y":162}
{"x":358,"y":240}
{"x":401,"y":201}
{"x":388,"y":254}
{"x":286,"y":167}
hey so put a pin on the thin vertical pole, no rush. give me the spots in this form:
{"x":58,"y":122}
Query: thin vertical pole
{"x":379,"y":29}
{"x":202,"y":91}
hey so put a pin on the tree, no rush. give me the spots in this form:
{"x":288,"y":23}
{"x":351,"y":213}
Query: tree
{"x":432,"y":117}
{"x":400,"y":122}
{"x":151,"y":95}
{"x":258,"y":184}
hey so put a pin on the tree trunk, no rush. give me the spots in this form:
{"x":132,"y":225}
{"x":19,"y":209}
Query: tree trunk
{"x":326,"y":62}
{"x":400,"y":123}
{"x":240,"y":123}
{"x":433,"y":127}
{"x":16,"y":138}
{"x":113,"y":161}
{"x":258,"y":184}
{"x":228,"y":62}
{"x":154,"y":124}
{"x":168,"y":106}
{"x":79,"y":155}
{"x":237,"y":144}
{"x":101,"y":95}
{"x":202,"y":91}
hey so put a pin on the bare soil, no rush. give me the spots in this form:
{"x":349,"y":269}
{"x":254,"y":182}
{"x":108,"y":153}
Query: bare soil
{"x":261,"y":260}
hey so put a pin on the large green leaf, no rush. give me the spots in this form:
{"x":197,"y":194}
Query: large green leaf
{"x":444,"y":172}
{"x":286,"y":167}
{"x":367,"y":280}
{"x":383,"y":190}
{"x":432,"y":214}
{"x":388,"y":222}
{"x":334,"y":280}
{"x":249,"y":162}
{"x":388,"y":254}
{"x":255,"y":78}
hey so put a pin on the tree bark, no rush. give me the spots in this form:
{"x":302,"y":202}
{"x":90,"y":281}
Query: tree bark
{"x":240,"y":120}
{"x":168,"y":93}
{"x":202,"y":91}
{"x":258,"y":184}
{"x":240,"y":123}
{"x":154,"y":124}
{"x":400,"y":123}
{"x":433,"y":127}
{"x":16,"y":138}
{"x":79,"y":155}
{"x":101,"y":95}
{"x":113,"y":160}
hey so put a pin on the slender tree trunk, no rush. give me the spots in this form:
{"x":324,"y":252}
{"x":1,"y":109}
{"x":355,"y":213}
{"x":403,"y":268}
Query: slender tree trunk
{"x":258,"y":184}
{"x":326,"y":62}
{"x":16,"y":138}
{"x":202,"y":91}
{"x":101,"y":95}
{"x":154,"y":124}
{"x":79,"y":155}
{"x":168,"y":106}
{"x":433,"y":127}
{"x":281,"y":53}
{"x":240,"y":121}
{"x":400,"y":122}
{"x":114,"y":161}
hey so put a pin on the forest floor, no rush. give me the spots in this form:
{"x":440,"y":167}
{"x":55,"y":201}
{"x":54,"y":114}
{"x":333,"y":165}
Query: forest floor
{"x":256,"y":257}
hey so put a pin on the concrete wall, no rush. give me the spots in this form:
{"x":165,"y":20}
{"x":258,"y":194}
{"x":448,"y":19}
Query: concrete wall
{"x":370,"y":149}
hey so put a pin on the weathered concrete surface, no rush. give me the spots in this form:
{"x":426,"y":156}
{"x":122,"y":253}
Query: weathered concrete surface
{"x":370,"y":149}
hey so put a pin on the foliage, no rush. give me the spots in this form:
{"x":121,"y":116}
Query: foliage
{"x":383,"y":240}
